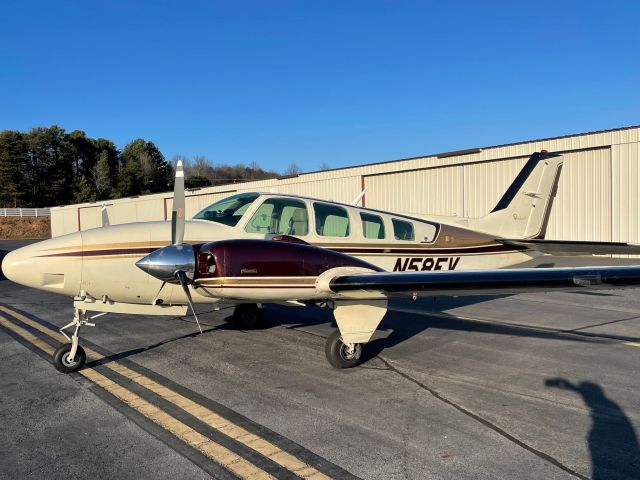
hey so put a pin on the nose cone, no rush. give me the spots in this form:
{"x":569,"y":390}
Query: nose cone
{"x":166,"y":262}
{"x":15,"y":265}
{"x":54,"y":265}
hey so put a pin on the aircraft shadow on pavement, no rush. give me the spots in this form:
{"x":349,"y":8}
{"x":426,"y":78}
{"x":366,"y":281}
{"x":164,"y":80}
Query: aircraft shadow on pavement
{"x":423,"y":315}
{"x":612,"y":440}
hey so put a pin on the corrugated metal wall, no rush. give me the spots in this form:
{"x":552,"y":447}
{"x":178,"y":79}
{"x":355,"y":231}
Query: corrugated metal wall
{"x":597,"y":198}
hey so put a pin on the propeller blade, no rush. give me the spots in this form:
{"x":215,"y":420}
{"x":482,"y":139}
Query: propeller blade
{"x":177,"y":212}
{"x":182,"y":278}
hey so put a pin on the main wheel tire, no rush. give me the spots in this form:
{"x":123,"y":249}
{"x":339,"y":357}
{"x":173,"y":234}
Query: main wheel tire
{"x":338,"y":354}
{"x":62,"y":362}
{"x":247,"y":315}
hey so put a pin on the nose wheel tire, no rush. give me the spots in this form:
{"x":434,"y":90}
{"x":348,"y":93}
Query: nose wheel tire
{"x":341,"y":355}
{"x":247,"y":315}
{"x":64,"y":364}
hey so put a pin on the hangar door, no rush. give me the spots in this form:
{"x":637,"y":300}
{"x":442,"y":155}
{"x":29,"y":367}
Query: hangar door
{"x":436,"y":190}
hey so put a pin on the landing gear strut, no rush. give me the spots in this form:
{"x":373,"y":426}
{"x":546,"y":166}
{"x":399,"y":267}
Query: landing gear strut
{"x":247,"y":315}
{"x":340,"y":354}
{"x":70,"y":357}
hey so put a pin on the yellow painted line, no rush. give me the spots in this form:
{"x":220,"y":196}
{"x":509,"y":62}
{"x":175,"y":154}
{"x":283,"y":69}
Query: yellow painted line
{"x":29,"y":337}
{"x":632,"y":344}
{"x":218,"y":453}
{"x":260,"y":445}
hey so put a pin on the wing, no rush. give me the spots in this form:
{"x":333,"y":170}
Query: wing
{"x":571,"y":248}
{"x":486,"y":282}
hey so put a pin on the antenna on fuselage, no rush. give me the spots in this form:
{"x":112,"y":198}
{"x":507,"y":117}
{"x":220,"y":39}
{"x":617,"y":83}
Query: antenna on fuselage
{"x":105,"y":215}
{"x":356,"y":200}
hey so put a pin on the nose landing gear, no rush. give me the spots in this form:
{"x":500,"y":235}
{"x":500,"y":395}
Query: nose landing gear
{"x":71,"y":357}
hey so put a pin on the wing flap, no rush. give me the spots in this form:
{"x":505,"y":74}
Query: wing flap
{"x":571,"y":248}
{"x":487,"y":282}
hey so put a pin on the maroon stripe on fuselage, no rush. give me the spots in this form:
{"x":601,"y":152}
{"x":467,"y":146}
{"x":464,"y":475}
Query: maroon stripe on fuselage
{"x":95,"y":253}
{"x":348,"y":250}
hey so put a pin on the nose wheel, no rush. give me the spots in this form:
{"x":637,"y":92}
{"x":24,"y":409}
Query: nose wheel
{"x":340,"y":354}
{"x":64,"y":362}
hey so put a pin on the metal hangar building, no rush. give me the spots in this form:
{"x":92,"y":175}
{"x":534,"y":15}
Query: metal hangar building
{"x":597,"y":198}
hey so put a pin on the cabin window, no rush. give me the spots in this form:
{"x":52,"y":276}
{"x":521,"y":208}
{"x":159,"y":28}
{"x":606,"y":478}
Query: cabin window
{"x":403,"y":230}
{"x":227,"y":211}
{"x":331,"y":220}
{"x":280,"y":216}
{"x":372,"y":226}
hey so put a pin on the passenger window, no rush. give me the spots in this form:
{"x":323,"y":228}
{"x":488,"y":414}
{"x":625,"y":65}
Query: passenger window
{"x":402,"y":230}
{"x":331,"y":220}
{"x":372,"y":226}
{"x":280,"y":216}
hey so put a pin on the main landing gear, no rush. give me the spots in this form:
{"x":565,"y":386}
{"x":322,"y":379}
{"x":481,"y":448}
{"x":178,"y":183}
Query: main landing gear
{"x":71,"y":357}
{"x":340,"y":354}
{"x":247,"y":315}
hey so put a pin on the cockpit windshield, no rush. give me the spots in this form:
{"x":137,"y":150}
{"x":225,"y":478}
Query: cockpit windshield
{"x":228,"y":211}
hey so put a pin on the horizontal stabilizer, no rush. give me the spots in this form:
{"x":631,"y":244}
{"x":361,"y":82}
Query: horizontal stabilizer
{"x":571,"y":248}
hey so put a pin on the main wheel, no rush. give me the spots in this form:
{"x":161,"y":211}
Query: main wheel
{"x":247,"y":315}
{"x":340,"y":355}
{"x":64,"y":364}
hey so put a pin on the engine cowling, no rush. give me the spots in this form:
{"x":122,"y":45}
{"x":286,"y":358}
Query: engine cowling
{"x":269,"y":258}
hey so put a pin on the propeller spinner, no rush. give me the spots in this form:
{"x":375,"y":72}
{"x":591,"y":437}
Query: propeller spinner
{"x":175,"y":263}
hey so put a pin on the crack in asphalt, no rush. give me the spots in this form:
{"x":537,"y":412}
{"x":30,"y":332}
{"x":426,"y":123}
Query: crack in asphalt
{"x":483,"y":421}
{"x":500,"y":431}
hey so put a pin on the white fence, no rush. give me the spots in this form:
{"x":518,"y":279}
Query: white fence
{"x":25,"y":212}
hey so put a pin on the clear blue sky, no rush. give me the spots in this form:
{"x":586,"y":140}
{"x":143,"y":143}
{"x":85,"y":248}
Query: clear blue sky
{"x":342,"y":82}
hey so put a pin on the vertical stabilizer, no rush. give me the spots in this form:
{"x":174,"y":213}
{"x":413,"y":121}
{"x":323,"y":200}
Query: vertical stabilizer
{"x":524,"y":209}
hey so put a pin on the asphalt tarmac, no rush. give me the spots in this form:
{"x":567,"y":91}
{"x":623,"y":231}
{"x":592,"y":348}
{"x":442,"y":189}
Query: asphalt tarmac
{"x":529,"y":386}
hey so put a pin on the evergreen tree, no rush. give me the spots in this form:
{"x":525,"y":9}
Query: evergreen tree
{"x":83,"y":191}
{"x":13,"y":163}
{"x":108,"y":148}
{"x":156,"y":172}
{"x":83,"y":153}
{"x":130,"y":179}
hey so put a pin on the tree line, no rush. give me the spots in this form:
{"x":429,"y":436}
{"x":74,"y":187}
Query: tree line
{"x":49,"y":166}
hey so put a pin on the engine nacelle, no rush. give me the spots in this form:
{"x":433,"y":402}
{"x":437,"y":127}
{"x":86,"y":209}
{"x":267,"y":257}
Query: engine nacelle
{"x":268,"y":258}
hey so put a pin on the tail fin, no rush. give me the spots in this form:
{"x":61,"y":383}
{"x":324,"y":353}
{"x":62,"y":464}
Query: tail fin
{"x":524,"y":209}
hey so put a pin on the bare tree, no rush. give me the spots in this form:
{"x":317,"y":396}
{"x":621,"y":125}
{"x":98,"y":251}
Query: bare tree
{"x":324,"y":166}
{"x":293,"y":169}
{"x":101,"y":176}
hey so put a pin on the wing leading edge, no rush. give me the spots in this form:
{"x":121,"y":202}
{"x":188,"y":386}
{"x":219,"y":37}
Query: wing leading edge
{"x":487,"y":282}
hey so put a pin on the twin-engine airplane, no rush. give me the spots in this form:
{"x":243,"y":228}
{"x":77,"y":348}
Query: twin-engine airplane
{"x":254,"y":248}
